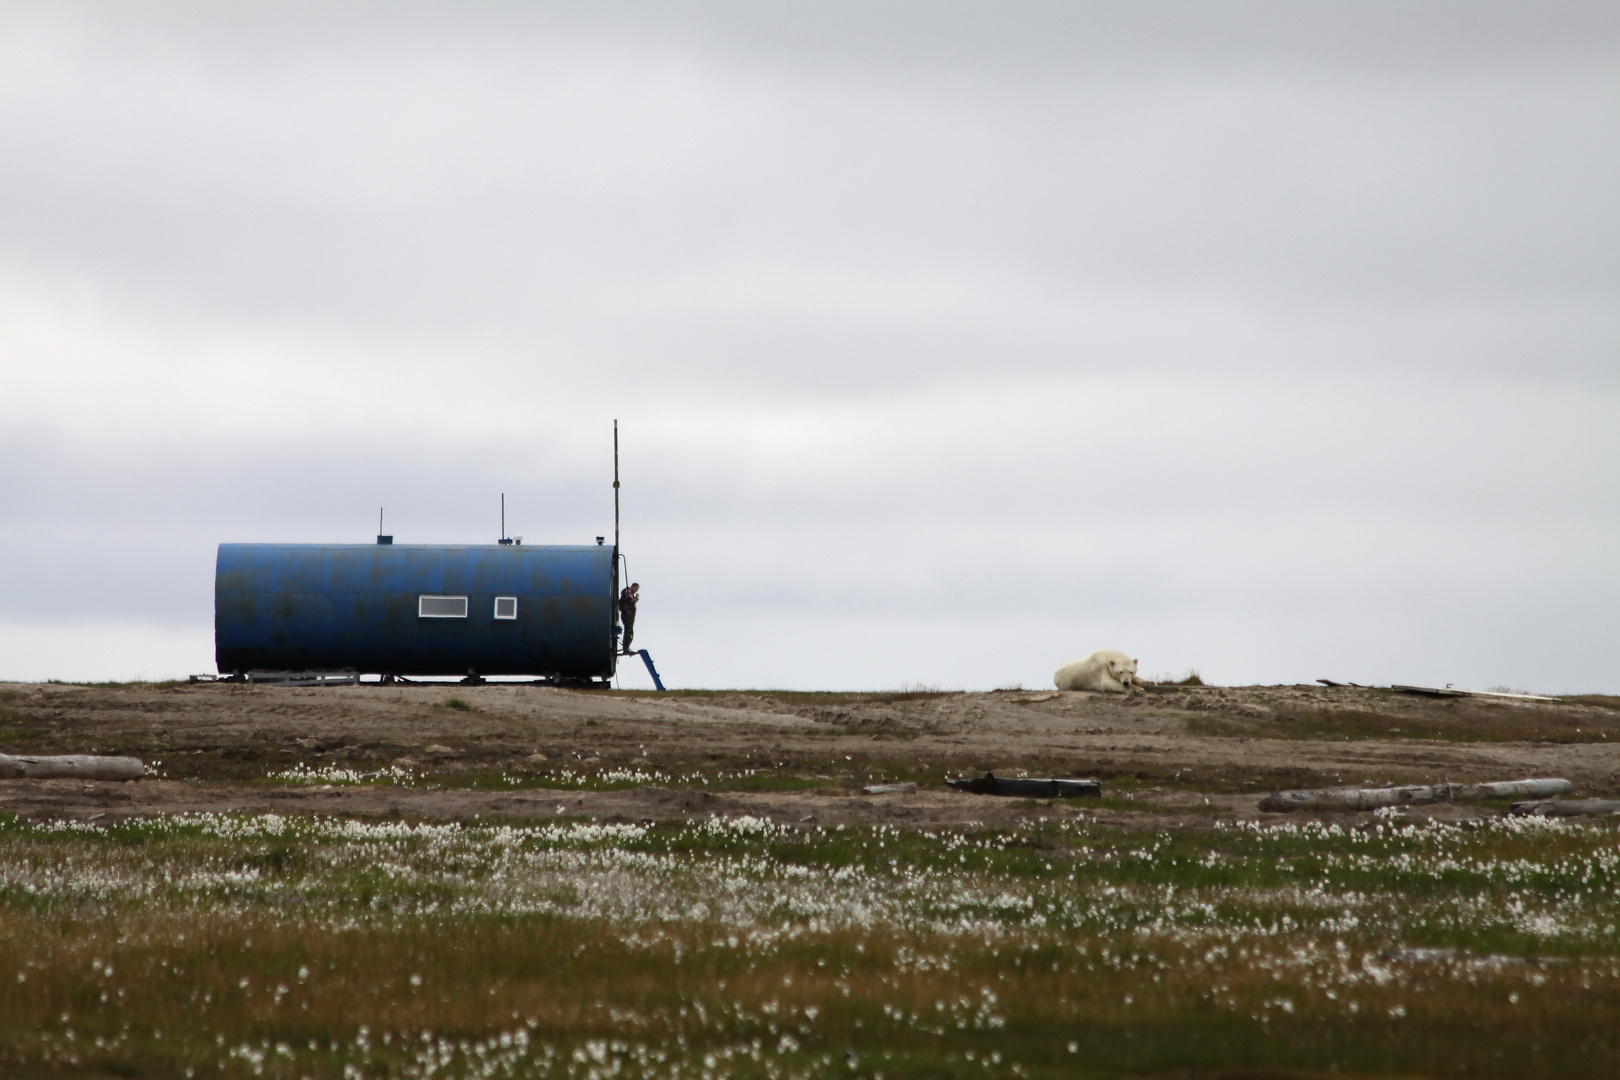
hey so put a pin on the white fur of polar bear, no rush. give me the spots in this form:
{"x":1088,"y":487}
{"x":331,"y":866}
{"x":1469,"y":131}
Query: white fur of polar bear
{"x":1105,"y":669}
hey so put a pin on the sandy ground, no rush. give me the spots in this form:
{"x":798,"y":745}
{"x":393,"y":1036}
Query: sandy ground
{"x":1167,"y":756}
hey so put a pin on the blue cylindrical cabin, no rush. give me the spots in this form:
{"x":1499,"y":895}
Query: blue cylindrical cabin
{"x":416,"y":609}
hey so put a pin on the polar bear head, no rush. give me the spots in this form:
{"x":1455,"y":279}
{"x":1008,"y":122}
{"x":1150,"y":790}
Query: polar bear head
{"x":1121,"y":667}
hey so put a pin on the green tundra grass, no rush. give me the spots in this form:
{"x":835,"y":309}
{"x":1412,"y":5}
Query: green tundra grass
{"x":264,"y":946}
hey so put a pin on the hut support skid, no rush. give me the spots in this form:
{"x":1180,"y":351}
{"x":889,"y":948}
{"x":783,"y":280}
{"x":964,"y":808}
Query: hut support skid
{"x":1419,"y":795}
{"x":303,"y":678}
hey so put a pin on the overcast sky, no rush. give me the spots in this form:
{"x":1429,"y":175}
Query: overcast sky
{"x":949,"y":341}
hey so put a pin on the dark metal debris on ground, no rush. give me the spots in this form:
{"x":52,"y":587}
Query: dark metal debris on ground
{"x":991,"y":784}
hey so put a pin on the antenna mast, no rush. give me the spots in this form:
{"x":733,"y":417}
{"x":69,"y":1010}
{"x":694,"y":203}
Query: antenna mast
{"x":503,"y":517}
{"x":615,"y":489}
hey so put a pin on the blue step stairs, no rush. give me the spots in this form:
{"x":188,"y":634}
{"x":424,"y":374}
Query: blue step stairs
{"x":646,"y":658}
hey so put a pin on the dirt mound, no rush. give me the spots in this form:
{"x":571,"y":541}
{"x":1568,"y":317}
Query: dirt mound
{"x":452,"y":751}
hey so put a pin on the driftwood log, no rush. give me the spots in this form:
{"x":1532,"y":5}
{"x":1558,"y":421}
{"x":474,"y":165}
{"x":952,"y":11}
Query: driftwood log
{"x":71,"y":766}
{"x":1416,"y":795}
{"x":1572,"y":808}
{"x":991,"y":784}
{"x":907,"y":788}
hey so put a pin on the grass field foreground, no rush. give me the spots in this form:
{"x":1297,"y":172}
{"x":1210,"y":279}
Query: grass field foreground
{"x":270,"y":946}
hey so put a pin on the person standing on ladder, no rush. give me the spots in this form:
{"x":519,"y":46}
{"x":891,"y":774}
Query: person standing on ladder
{"x":627,"y":612}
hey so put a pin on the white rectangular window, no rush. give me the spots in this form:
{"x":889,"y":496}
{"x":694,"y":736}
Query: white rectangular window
{"x":441,"y":607}
{"x":506,"y":607}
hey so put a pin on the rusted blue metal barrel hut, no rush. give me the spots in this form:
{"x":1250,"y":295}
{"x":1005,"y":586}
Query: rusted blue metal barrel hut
{"x":416,"y":609}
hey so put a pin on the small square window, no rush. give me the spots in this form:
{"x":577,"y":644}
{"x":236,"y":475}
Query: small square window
{"x":441,"y":607}
{"x":506,"y":607}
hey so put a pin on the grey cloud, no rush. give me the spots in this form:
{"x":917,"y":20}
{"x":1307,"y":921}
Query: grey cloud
{"x":1003,"y":38}
{"x":399,"y":181}
{"x":130,"y":531}
{"x":1244,"y":336}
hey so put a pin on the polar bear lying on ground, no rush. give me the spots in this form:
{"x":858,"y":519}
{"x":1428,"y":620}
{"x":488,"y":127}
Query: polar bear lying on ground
{"x":1105,"y":669}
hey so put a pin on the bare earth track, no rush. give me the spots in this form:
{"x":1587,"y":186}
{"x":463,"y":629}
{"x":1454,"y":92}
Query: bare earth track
{"x":1169,"y":756}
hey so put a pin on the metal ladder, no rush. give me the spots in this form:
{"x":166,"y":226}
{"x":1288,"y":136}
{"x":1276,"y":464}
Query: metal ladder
{"x":646,"y":658}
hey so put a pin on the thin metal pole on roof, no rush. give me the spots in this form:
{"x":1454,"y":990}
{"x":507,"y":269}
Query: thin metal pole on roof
{"x":615,"y":489}
{"x":503,"y":515}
